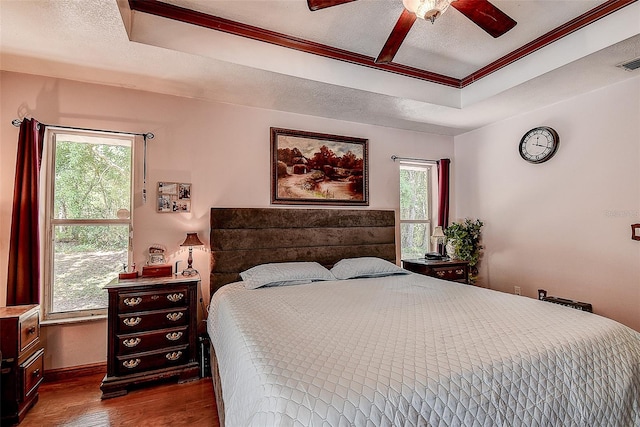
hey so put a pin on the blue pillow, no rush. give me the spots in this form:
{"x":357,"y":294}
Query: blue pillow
{"x":351,"y":268}
{"x":284,"y":273}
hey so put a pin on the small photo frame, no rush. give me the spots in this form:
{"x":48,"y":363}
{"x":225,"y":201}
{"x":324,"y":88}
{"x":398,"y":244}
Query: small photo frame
{"x":155,"y":255}
{"x":156,"y":259}
{"x":635,"y":231}
{"x":174,"y":197}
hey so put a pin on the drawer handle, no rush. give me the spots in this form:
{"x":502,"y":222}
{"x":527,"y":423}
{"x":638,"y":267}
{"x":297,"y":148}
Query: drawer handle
{"x":175,"y":297}
{"x":130,"y":364}
{"x":174,"y":317}
{"x":173,"y":336}
{"x":132,"y":302}
{"x":173,"y":356}
{"x":440,"y":273}
{"x":31,"y":330}
{"x":36,"y":373}
{"x":133,"y":321}
{"x":131,"y":342}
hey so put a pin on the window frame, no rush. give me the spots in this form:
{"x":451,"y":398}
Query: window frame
{"x":48,"y":223}
{"x":432,"y":191}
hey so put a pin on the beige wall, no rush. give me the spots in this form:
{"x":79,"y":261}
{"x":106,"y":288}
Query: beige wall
{"x":564,"y":225}
{"x":223,"y":150}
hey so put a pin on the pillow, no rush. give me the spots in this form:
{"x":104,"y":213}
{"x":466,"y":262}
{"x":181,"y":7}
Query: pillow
{"x":351,"y":268}
{"x":284,"y":273}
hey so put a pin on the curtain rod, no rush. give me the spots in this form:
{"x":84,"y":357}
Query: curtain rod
{"x":145,"y":137}
{"x":411,"y":159}
{"x":148,"y":135}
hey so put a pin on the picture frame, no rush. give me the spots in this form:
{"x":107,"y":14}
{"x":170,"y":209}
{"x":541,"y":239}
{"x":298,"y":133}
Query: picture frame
{"x":174,"y":197}
{"x":156,"y":259}
{"x":309,"y":168}
{"x":635,"y":231}
{"x":156,"y":254}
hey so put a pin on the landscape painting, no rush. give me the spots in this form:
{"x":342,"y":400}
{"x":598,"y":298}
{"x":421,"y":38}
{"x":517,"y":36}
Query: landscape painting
{"x":314,"y":168}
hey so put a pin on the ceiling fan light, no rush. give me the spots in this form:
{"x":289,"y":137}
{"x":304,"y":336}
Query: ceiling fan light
{"x":427,"y":9}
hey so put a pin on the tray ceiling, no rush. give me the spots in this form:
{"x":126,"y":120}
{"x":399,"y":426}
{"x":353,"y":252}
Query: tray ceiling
{"x":123,"y":43}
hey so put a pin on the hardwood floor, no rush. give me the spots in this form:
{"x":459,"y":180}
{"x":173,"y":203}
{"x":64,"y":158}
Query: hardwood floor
{"x":76,"y":403}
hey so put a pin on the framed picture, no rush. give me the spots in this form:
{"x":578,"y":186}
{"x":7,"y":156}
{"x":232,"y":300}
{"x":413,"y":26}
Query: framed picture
{"x":155,"y":254}
{"x":174,"y":197}
{"x":635,"y":231}
{"x":155,"y":259}
{"x":318,"y":169}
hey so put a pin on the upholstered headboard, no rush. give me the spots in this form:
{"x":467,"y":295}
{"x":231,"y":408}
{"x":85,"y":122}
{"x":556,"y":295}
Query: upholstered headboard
{"x":245,"y":237}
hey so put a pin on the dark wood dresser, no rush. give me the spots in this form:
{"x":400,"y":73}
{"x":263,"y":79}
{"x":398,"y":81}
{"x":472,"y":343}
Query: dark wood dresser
{"x":152,"y":332}
{"x":22,"y":361}
{"x":452,"y":270}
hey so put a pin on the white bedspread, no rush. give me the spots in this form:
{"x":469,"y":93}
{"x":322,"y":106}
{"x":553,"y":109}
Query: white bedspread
{"x":416,"y":351}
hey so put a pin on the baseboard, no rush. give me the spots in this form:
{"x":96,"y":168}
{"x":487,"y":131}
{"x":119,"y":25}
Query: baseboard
{"x":53,"y":375}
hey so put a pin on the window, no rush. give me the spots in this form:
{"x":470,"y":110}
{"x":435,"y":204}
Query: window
{"x":87,"y":219}
{"x":416,"y":182}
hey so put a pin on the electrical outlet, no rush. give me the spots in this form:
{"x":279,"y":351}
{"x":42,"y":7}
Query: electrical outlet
{"x":516,"y":290}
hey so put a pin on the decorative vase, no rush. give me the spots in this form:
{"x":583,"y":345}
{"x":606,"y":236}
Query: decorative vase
{"x":451,"y":249}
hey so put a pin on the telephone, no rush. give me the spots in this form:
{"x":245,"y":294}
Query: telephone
{"x":434,"y":256}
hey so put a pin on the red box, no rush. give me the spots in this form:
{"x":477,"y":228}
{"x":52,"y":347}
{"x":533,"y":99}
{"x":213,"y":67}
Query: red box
{"x":157,"y":270}
{"x":127,"y":276}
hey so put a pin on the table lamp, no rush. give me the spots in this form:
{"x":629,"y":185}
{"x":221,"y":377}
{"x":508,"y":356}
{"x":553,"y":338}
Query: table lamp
{"x":191,"y":241}
{"x":438,"y":238}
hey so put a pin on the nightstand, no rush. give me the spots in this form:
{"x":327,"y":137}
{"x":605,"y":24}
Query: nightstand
{"x":22,"y":360}
{"x":452,"y":270}
{"x":152,"y":332}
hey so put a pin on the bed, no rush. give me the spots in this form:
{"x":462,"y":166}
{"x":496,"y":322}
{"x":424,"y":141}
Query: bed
{"x":374,"y":345}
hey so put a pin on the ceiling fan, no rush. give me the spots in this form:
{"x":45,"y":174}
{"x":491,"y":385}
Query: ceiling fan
{"x":481,"y":12}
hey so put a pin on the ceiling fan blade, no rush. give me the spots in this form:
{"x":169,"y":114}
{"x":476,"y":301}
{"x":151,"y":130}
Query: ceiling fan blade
{"x":486,"y":16}
{"x":397,"y":36}
{"x":321,"y":4}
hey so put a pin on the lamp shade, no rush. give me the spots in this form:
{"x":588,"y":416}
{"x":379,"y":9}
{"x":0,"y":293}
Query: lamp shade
{"x":437,"y":232}
{"x":192,"y":240}
{"x":438,"y":235}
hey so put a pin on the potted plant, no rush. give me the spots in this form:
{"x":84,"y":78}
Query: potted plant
{"x":463,"y":239}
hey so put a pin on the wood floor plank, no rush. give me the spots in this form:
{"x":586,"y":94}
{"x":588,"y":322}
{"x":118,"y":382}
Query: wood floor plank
{"x":76,"y":403}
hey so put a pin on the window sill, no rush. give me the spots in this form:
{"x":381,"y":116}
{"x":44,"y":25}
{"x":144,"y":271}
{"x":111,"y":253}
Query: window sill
{"x":73,"y":320}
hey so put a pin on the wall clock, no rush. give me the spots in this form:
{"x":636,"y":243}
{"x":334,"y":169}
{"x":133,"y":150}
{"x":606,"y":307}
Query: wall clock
{"x":539,"y":144}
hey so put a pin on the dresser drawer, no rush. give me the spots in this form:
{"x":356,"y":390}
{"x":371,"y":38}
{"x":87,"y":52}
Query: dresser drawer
{"x":147,"y":341}
{"x":32,"y":373}
{"x":452,"y":270}
{"x":152,"y":332}
{"x":22,"y":361}
{"x":29,"y":330}
{"x":449,"y":273}
{"x":141,"y":362}
{"x":129,"y":302}
{"x":160,"y":319}
{"x":418,"y":268}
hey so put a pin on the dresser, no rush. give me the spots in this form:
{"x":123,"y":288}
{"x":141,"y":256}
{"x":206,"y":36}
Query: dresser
{"x":22,"y":361}
{"x":151,"y":332}
{"x":452,"y":270}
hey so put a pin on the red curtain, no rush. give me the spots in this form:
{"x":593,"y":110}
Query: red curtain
{"x":24,"y":247}
{"x":443,"y":192}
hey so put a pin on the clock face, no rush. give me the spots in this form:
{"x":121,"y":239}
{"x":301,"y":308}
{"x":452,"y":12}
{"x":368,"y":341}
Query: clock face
{"x":539,"y":144}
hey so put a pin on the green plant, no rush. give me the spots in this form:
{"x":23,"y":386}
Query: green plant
{"x":465,"y":238}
